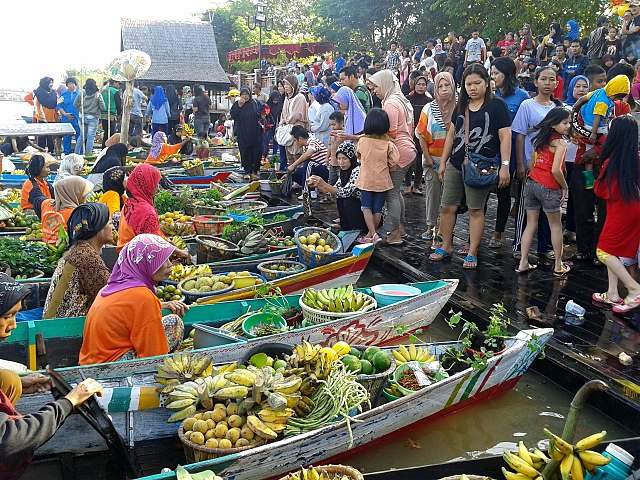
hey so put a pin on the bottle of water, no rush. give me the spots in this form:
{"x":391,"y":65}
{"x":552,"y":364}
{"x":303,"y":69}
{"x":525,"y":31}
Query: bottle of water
{"x":573,"y":308}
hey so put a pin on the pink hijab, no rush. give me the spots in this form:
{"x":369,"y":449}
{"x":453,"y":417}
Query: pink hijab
{"x":138,"y":261}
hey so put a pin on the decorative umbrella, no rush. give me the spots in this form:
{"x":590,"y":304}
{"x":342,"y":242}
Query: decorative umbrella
{"x":126,"y":67}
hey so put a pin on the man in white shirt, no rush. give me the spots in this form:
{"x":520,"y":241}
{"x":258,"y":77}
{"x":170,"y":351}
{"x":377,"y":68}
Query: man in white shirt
{"x":475,"y":50}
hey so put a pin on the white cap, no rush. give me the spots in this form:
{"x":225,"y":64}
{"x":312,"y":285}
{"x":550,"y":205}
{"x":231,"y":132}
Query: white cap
{"x":620,"y":453}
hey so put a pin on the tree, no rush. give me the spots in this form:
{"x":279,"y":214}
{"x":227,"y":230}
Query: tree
{"x":81,"y":75}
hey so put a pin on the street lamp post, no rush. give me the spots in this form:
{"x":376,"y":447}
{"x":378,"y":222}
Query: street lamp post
{"x":260,"y":21}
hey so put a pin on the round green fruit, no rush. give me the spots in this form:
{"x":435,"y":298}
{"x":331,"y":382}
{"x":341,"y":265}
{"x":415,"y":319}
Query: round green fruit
{"x":366,"y":367}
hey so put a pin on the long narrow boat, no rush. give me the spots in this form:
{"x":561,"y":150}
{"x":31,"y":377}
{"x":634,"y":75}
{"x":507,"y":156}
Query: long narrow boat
{"x":200,"y":180}
{"x":62,"y":337}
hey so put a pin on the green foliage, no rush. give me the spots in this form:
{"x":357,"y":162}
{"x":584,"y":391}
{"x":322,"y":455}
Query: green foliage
{"x":164,"y":202}
{"x":25,"y":257}
{"x":81,"y":75}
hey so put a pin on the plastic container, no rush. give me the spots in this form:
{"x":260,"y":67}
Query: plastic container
{"x":262,"y":318}
{"x":313,"y":316}
{"x":619,"y":468}
{"x":439,"y":375}
{"x":390,"y":293}
{"x":573,"y":308}
{"x":272,"y":274}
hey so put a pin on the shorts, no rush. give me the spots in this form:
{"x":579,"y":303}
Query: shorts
{"x":454,"y":191}
{"x":537,"y":196}
{"x":626,"y":261}
{"x":373,"y":201}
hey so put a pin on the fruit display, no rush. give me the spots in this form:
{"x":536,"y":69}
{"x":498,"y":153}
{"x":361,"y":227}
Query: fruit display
{"x":254,"y":243}
{"x":316,"y":360}
{"x":281,"y":242}
{"x":16,"y":218}
{"x":176,"y":224}
{"x":206,"y":284}
{"x":11,"y":194}
{"x":178,"y":242}
{"x":189,"y":164}
{"x":284,"y":267}
{"x":367,"y":361}
{"x":419,"y":354}
{"x":337,"y":300}
{"x":180,"y":272}
{"x":181,"y":368}
{"x":167,"y":293}
{"x":33,"y":233}
{"x":188,"y":130}
{"x":321,"y":473}
{"x":24,"y":258}
{"x":315,"y":243}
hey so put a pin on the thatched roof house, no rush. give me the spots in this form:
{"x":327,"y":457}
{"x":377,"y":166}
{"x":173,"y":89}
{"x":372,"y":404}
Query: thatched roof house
{"x":182,"y":52}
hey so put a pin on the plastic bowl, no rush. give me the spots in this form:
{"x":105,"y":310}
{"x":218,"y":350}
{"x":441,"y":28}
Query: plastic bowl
{"x":398,"y":374}
{"x":390,"y":293}
{"x":261,"y":318}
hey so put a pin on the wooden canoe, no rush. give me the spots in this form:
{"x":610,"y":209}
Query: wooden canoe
{"x":62,"y":338}
{"x":216,"y":177}
{"x":329,"y":443}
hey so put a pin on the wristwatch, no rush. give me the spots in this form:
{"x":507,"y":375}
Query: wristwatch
{"x":505,"y":163}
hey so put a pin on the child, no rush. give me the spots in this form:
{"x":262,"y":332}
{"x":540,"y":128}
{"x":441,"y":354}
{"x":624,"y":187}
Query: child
{"x":377,"y":153}
{"x":336,"y":124}
{"x":619,"y":186}
{"x":547,"y":186}
{"x":597,"y":77}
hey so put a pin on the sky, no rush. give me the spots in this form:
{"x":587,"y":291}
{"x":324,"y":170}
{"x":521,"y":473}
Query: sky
{"x":44,"y":38}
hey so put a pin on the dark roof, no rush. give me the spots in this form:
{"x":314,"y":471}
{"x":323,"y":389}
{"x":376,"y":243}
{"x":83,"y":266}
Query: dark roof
{"x":180,"y":51}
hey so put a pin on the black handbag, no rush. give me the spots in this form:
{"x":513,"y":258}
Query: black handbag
{"x":478,"y":171}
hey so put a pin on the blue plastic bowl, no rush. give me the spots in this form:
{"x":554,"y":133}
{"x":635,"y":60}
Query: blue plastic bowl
{"x":390,"y":293}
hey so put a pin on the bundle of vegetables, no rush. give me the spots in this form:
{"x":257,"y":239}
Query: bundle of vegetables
{"x":209,"y":197}
{"x":165,"y":202}
{"x":335,"y":398}
{"x":24,"y":258}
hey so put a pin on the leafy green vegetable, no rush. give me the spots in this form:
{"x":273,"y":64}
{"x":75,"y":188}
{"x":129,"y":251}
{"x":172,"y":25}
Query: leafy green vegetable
{"x":164,"y":202}
{"x":280,"y":217}
{"x":25,"y":257}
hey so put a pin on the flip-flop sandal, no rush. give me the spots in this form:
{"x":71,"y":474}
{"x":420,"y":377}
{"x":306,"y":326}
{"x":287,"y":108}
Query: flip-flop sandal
{"x":530,"y":268}
{"x":603,"y":298}
{"x":627,"y":306}
{"x":565,"y":270}
{"x":470,"y":262}
{"x":394,"y":244}
{"x":439,"y":255}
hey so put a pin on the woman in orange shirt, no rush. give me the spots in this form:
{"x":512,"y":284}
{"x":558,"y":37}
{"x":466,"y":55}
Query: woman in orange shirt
{"x":36,"y":188}
{"x":160,"y":149}
{"x":125,"y":320}
{"x":69,"y":193}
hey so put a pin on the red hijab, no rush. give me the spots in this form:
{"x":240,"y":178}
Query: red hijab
{"x":138,"y":210}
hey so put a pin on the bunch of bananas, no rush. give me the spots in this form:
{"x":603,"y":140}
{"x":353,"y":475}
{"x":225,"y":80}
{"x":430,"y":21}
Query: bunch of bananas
{"x":181,"y":368}
{"x":180,"y":272}
{"x":274,"y":420}
{"x":575,"y":460}
{"x":188,"y":130}
{"x":187,"y":164}
{"x":178,"y":242}
{"x":183,"y":474}
{"x":187,"y":343}
{"x":337,"y":300}
{"x":313,"y":360}
{"x":255,"y":242}
{"x":176,"y":224}
{"x":314,"y":474}
{"x":419,"y":354}
{"x":525,"y":463}
{"x":11,"y":195}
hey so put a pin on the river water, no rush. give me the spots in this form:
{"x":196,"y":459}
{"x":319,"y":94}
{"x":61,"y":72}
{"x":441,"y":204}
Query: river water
{"x":485,"y":429}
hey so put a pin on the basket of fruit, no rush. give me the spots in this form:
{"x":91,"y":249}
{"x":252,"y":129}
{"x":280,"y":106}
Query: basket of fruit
{"x":280,"y":243}
{"x":280,"y":268}
{"x":176,"y":224}
{"x":210,"y":224}
{"x":326,"y":472}
{"x":243,"y":279}
{"x":316,"y":246}
{"x":217,"y":433}
{"x":320,"y":306}
{"x":194,"y":168}
{"x":205,"y":286}
{"x":373,"y":365}
{"x":168,"y":293}
{"x":180,"y":272}
{"x":215,"y":249}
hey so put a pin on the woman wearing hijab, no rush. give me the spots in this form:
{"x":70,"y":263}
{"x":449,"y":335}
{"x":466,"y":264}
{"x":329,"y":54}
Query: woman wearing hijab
{"x":177,"y":136}
{"x":160,"y":149}
{"x":159,"y":111}
{"x":418,"y":99}
{"x":69,"y":193}
{"x":431,"y":132}
{"x":81,"y":272}
{"x":319,"y":112}
{"x":113,"y":187}
{"x":174,"y":108}
{"x":347,"y":195}
{"x":36,"y":188}
{"x":573,"y":31}
{"x":353,"y":112}
{"x":295,"y":111}
{"x":90,"y":105}
{"x":125,"y":320}
{"x":45,"y":102}
{"x":115,"y":156}
{"x":139,"y":214}
{"x":71,"y":165}
{"x":401,"y":131}
{"x":245,"y":113}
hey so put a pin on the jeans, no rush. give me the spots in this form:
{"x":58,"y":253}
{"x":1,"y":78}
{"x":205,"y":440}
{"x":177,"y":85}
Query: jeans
{"x":66,"y":140}
{"x":307,"y":169}
{"x":201,"y":125}
{"x":135,"y":126}
{"x":89,"y":125}
{"x":432,"y":195}
{"x":159,"y":127}
{"x":395,"y":200}
{"x":282,"y":151}
{"x":109,"y":127}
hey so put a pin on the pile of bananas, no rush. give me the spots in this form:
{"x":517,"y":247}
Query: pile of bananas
{"x":176,"y":224}
{"x":255,"y":242}
{"x":180,"y":272}
{"x":574,"y":460}
{"x":188,"y":130}
{"x":314,"y":474}
{"x":187,"y":164}
{"x":11,"y":195}
{"x":337,"y":300}
{"x":187,"y":343}
{"x":314,"y":361}
{"x":182,"y":368}
{"x":178,"y":242}
{"x":93,"y":196}
{"x":420,"y":354}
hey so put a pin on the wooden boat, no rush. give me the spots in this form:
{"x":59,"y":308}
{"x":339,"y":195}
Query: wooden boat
{"x":200,"y":180}
{"x":61,"y":339}
{"x":488,"y":466}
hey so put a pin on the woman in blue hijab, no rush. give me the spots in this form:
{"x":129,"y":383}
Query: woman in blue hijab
{"x":159,"y":111}
{"x":319,"y":113}
{"x":573,"y":31}
{"x":573,"y":93}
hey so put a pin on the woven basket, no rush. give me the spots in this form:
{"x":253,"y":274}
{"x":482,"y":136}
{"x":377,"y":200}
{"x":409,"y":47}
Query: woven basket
{"x":206,"y":210}
{"x":275,"y":274}
{"x":316,"y":259}
{"x":193,"y":297}
{"x":210,"y":224}
{"x":197,"y":453}
{"x":209,"y":254}
{"x":343,"y":470}
{"x":376,"y":382}
{"x":197,"y":171}
{"x":314,"y":316}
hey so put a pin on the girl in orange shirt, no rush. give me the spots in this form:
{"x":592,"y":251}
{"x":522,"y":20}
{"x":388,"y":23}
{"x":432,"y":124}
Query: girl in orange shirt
{"x":125,"y":320}
{"x":36,"y":188}
{"x":160,"y":149}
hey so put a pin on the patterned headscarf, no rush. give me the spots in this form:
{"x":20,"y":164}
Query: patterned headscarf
{"x":354,"y":118}
{"x":71,"y":191}
{"x":86,"y":221}
{"x":113,"y":179}
{"x":159,"y":139}
{"x":11,"y":292}
{"x":348,"y":149}
{"x":138,"y":261}
{"x":321,"y":94}
{"x":71,"y":165}
{"x":138,"y":210}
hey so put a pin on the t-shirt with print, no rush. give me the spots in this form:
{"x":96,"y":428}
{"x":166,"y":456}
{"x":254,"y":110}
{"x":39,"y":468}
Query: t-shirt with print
{"x":318,"y":149}
{"x":483,"y":131}
{"x":598,"y":104}
{"x":474,"y":49}
{"x":530,"y":114}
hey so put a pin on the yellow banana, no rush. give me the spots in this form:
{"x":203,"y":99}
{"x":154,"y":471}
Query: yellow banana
{"x":588,"y":443}
{"x":538,"y":455}
{"x":565,"y":466}
{"x":519,"y":465}
{"x":577,"y":473}
{"x":565,"y":448}
{"x":513,"y":476}
{"x":397,"y":356}
{"x":412,"y":352}
{"x":593,"y":458}
{"x":405,"y":353}
{"x":523,"y":453}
